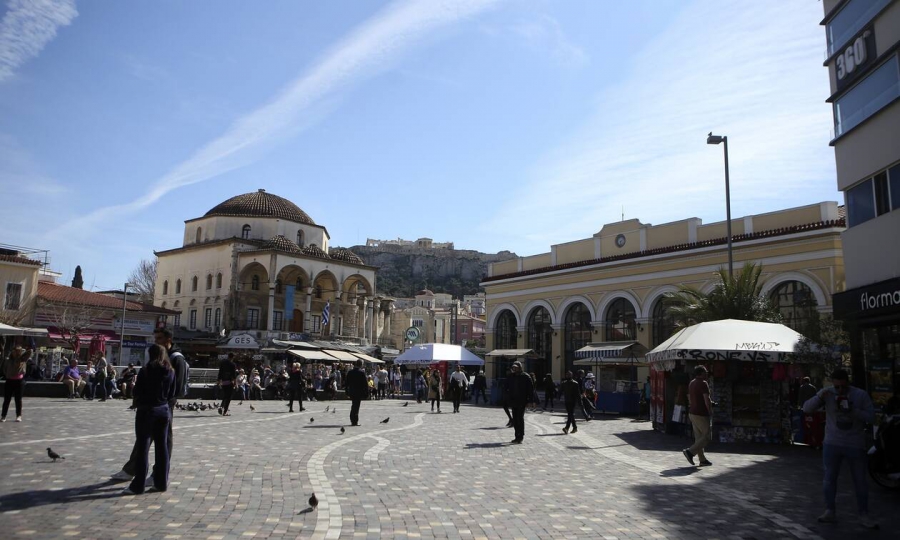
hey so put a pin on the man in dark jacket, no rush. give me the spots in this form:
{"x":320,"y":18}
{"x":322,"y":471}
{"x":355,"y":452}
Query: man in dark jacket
{"x":357,"y":390}
{"x":163,"y":337}
{"x":521,"y":392}
{"x":226,"y":377}
{"x":480,"y":386}
{"x":571,"y":392}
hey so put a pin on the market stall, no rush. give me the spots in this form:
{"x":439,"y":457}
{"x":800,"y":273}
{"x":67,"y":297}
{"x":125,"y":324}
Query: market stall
{"x":615,"y":365}
{"x":751,"y":367}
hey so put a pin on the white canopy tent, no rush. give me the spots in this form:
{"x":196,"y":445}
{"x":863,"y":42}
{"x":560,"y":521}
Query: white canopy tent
{"x":430,"y":353}
{"x":727,"y":339}
{"x":7,"y":330}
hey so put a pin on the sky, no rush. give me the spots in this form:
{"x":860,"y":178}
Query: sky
{"x":494,"y":124}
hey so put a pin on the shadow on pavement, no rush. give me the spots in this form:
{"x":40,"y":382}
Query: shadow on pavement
{"x":472,"y":446}
{"x":680,"y":471}
{"x":42,"y":497}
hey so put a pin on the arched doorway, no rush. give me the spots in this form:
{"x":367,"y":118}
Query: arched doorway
{"x":797,"y":304}
{"x":620,"y":321}
{"x":577,"y":332}
{"x":504,"y":338}
{"x":539,"y":338}
{"x":663,"y":321}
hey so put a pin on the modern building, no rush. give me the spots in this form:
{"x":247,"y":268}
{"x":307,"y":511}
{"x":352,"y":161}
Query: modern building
{"x":611,"y":287}
{"x":258,"y":265}
{"x":863,"y":60}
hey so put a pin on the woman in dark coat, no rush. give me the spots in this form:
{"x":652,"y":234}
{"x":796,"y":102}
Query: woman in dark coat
{"x":154,"y":388}
{"x":296,"y":384}
{"x":436,"y":392}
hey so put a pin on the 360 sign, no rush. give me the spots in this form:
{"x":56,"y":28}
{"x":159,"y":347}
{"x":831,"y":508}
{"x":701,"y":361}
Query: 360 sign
{"x":855,"y":55}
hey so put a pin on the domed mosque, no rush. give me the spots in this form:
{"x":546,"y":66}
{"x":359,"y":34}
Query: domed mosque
{"x":258,"y":264}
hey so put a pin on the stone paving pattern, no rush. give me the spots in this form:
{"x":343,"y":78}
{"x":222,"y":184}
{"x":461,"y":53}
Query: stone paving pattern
{"x":421,"y":476}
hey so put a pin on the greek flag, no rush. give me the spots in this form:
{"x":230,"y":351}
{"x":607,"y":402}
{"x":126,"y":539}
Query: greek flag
{"x":326,"y":313}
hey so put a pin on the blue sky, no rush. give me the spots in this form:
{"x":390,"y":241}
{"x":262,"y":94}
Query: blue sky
{"x":493,"y":124}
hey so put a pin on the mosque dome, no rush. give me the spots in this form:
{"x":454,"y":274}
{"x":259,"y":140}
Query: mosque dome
{"x":261,"y":204}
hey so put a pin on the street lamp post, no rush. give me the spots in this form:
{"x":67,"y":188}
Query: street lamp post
{"x":122,"y":334}
{"x":716,"y":139}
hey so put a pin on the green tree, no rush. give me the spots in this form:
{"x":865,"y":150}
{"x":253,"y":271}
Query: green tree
{"x":738,"y":297}
{"x":825,"y":342}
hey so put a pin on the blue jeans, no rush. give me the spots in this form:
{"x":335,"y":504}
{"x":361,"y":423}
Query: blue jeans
{"x":832,"y":456}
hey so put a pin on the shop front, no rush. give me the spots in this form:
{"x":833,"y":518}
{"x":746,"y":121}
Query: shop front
{"x":618,"y":367}
{"x":872,"y":318}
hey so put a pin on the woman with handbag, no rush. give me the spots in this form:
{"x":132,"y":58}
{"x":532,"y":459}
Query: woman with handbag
{"x":14,"y":371}
{"x":435,"y":392}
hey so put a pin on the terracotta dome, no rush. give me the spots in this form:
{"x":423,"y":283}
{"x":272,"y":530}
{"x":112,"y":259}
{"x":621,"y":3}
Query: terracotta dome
{"x":261,"y":204}
{"x":425,"y":292}
{"x":280,"y":243}
{"x":345,"y":255}
{"x":313,"y":250}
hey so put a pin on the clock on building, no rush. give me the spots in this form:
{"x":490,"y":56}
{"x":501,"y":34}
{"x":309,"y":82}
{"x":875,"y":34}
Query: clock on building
{"x":620,"y":240}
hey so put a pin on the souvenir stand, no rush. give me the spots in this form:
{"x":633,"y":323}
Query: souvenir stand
{"x":750,"y":365}
{"x":502,"y":359}
{"x":615,"y":365}
{"x":438,"y":356}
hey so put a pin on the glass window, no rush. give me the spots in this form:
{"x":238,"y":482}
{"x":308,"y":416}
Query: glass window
{"x":418,"y":323}
{"x":882,"y":197}
{"x":318,"y":291}
{"x":277,"y":286}
{"x":505,"y":332}
{"x":218,"y":320}
{"x":194,"y":283}
{"x":276,"y":320}
{"x":300,"y":238}
{"x":208,"y":281}
{"x":577,"y":332}
{"x":219,"y":280}
{"x":198,"y":234}
{"x":254,"y":283}
{"x":252,"y":319}
{"x":465,"y":329}
{"x":860,"y":203}
{"x":539,"y":338}
{"x":866,"y":98}
{"x":177,"y":320}
{"x":193,"y":319}
{"x":178,"y":287}
{"x":165,"y":287}
{"x":663,"y":322}
{"x":851,"y":19}
{"x":245,"y":232}
{"x":316,"y":321}
{"x":894,"y":175}
{"x":207,"y":318}
{"x":797,"y":305}
{"x":13,"y":296}
{"x":620,"y":321}
{"x":299,"y":284}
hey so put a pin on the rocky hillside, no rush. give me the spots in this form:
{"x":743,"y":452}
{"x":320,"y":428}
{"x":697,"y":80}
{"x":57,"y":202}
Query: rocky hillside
{"x":402,"y":271}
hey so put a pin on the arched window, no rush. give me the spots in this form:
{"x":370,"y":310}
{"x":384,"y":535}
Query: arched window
{"x":300,"y":238}
{"x":663,"y":321}
{"x":163,"y":305}
{"x":199,"y":233}
{"x":218,"y":320}
{"x":178,"y":287}
{"x":797,"y":304}
{"x":165,"y":287}
{"x":245,"y":232}
{"x":254,"y":283}
{"x":194,"y":281}
{"x":505,"y":332}
{"x":219,"y":280}
{"x":620,"y":320}
{"x":299,"y":284}
{"x":277,"y":286}
{"x":539,"y":338}
{"x":177,"y":304}
{"x":208,"y":281}
{"x":577,"y":332}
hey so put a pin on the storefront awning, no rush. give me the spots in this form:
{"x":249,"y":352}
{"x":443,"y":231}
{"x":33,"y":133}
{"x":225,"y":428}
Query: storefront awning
{"x":612,"y":349}
{"x":313,"y":356}
{"x":300,"y":344}
{"x":54,"y":333}
{"x":510,"y":352}
{"x":341,"y":355}
{"x":367,"y":358}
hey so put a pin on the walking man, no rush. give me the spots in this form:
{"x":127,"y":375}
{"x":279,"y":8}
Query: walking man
{"x":480,"y":385}
{"x":163,"y":337}
{"x":458,"y":384}
{"x":700,"y":413}
{"x":357,"y":390}
{"x":847,"y":411}
{"x":382,"y":376}
{"x":521,"y":391}
{"x":571,"y":391}
{"x":226,"y":377}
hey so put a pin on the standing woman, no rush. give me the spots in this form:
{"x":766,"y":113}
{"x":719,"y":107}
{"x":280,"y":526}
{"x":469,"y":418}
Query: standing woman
{"x":296,"y":386}
{"x":421,"y":386}
{"x":14,"y":371}
{"x":436,"y":391}
{"x":154,"y":388}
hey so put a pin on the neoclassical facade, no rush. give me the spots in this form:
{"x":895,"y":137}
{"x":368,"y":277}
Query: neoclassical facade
{"x":610,"y":287}
{"x":258,"y":263}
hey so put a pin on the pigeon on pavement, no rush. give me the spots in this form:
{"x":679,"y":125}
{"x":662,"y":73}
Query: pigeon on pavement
{"x":326,"y":408}
{"x":311,"y":419}
{"x":406,"y":404}
{"x":342,"y":430}
{"x":385,"y":421}
{"x":333,"y":411}
{"x":313,"y":501}
{"x":53,"y":455}
{"x":252,"y":408}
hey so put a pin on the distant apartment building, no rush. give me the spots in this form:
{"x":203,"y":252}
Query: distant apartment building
{"x":863,"y":61}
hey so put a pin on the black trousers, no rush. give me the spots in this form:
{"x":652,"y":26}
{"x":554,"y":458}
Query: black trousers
{"x":570,"y":416}
{"x":150,"y":425}
{"x":506,"y":410}
{"x":354,"y":411}
{"x":295,"y":393}
{"x":483,"y":395}
{"x":130,"y":466}
{"x":227,"y":392}
{"x":100,"y":384}
{"x":548,"y":397}
{"x":12,"y":390}
{"x":438,"y":403}
{"x":457,"y":397}
{"x":518,"y":419}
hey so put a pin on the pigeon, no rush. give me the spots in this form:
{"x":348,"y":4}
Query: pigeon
{"x":342,"y":430}
{"x":313,"y":501}
{"x":53,"y":455}
{"x":252,"y":408}
{"x":406,"y":404}
{"x":326,"y":408}
{"x":333,"y":411}
{"x":385,"y":421}
{"x":311,"y":419}
{"x":241,"y":403}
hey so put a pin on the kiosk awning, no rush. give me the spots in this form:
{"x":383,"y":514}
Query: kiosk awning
{"x":314,"y":356}
{"x":368,"y":358}
{"x":341,"y":355}
{"x":301,"y":344}
{"x":612,"y":352}
{"x":510,"y":352}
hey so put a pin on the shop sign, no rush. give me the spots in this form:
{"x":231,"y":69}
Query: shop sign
{"x":134,"y":344}
{"x":413,"y":334}
{"x":241,"y":341}
{"x":143,"y":326}
{"x":873,"y":300}
{"x":854,"y":58}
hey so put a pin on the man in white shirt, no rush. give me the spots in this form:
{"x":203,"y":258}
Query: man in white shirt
{"x":458,"y":384}
{"x":382,"y":375}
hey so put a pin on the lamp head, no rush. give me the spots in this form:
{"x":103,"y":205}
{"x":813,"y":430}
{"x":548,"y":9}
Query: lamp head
{"x":714,"y":139}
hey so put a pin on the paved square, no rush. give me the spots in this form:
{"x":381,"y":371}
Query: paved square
{"x":420,"y":476}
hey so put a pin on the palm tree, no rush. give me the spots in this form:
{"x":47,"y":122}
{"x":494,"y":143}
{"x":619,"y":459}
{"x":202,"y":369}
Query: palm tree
{"x":738,"y":297}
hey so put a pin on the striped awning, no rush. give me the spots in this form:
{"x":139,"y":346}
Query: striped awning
{"x":510,"y":352}
{"x":313,"y":356}
{"x":341,"y":355}
{"x":621,"y":350}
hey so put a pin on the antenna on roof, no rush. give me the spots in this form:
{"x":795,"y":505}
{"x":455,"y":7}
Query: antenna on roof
{"x":623,"y":212}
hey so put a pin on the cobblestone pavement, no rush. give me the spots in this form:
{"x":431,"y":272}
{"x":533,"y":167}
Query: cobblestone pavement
{"x":420,"y":476}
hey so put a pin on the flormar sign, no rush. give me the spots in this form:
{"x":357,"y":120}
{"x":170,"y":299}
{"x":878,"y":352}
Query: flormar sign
{"x":877,"y":299}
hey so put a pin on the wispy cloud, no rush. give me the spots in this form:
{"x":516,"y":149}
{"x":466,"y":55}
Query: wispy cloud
{"x":27,"y":27}
{"x":546,"y":34}
{"x":20,"y":174}
{"x":749,"y":70}
{"x":368,"y":50}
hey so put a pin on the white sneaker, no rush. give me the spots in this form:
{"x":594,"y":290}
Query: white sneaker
{"x":827,"y":517}
{"x":18,"y":419}
{"x":122,"y":476}
{"x":2,"y":419}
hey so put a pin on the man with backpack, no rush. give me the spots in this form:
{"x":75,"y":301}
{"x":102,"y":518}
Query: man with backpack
{"x":163,"y":337}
